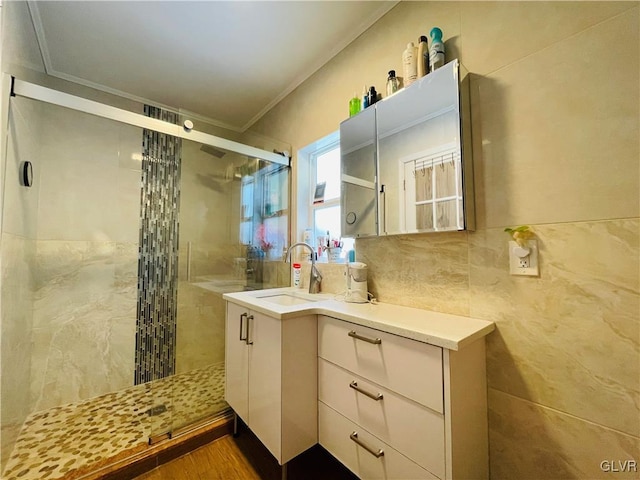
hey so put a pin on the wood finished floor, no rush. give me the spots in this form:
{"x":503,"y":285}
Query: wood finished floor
{"x":245,"y":458}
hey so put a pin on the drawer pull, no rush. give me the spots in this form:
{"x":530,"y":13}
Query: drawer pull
{"x":379,"y":453}
{"x":375,"y":341}
{"x":375,"y":396}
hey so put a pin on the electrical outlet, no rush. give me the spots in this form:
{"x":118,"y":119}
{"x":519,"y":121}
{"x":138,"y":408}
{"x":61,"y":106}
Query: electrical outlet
{"x":524,"y":260}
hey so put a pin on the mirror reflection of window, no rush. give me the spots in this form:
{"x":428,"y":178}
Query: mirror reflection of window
{"x":328,"y":172}
{"x":326,"y":215}
{"x":432,"y":192}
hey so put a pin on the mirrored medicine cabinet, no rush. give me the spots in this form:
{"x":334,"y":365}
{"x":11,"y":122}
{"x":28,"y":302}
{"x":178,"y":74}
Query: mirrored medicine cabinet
{"x":406,"y":160}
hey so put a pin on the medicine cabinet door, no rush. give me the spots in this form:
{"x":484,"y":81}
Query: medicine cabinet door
{"x":358,"y":201}
{"x":423,"y":171}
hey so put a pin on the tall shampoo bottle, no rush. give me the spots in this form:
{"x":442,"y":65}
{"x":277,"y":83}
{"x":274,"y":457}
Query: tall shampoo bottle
{"x":410,"y":64}
{"x":423,"y":57}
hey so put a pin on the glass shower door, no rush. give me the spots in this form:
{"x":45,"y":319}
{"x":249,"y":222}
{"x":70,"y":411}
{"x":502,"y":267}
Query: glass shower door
{"x":68,"y":293}
{"x":233,"y":225}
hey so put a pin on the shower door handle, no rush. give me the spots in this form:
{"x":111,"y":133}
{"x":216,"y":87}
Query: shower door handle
{"x":243,"y":316}
{"x":383,"y":197}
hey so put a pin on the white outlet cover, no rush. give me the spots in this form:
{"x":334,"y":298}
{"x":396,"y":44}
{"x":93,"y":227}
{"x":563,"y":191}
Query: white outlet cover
{"x":514,"y":259}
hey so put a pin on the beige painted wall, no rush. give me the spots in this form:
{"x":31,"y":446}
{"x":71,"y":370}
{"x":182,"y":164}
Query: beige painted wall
{"x":556,"y":146}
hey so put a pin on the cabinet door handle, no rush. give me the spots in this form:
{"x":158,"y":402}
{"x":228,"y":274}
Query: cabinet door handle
{"x":242,"y":317}
{"x":249,"y":321}
{"x":375,"y":341}
{"x":376,"y":453}
{"x":374,"y":396}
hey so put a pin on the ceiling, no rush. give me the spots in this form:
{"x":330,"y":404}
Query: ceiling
{"x":227,"y":61}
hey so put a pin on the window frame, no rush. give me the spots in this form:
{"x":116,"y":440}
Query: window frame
{"x":313,"y":180}
{"x":304,"y":189}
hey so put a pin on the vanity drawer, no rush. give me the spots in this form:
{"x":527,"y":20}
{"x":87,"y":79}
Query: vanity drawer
{"x":338,"y":435}
{"x":412,"y":429}
{"x":408,"y":367}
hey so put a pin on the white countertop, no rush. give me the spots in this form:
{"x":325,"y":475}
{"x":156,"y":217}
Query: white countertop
{"x":441,"y":329}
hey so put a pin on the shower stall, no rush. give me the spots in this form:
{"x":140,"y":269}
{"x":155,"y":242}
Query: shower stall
{"x":114,"y":256}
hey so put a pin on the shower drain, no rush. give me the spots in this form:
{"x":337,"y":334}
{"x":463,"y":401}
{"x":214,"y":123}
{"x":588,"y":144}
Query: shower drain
{"x":157,"y":410}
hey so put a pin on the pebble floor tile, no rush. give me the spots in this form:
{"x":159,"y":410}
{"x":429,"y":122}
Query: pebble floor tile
{"x":63,"y":441}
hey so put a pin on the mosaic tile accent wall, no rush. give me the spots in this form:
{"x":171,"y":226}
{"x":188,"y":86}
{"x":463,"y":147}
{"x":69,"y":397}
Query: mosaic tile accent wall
{"x":158,"y":253}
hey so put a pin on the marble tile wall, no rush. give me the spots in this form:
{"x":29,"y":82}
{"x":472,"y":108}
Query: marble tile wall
{"x":556,"y":146}
{"x":91,"y":178}
{"x":84,"y":320}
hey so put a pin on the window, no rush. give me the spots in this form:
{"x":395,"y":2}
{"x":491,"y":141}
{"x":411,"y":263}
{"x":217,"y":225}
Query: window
{"x":324,"y":217}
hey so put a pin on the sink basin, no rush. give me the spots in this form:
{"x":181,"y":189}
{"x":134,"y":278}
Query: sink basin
{"x":286,"y":299}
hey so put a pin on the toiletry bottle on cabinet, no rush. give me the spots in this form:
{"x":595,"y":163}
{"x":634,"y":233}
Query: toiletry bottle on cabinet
{"x":423,"y":57}
{"x":410,"y":64}
{"x":354,"y":105}
{"x":392,"y":83}
{"x":436,"y":52}
{"x":372,"y":96}
{"x":365,"y":98}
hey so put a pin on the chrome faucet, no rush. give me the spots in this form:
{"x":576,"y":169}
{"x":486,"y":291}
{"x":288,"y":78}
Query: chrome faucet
{"x":315,"y":279}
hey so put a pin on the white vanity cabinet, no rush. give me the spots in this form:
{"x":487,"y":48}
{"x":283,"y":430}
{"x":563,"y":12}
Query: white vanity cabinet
{"x":271,"y":378}
{"x":395,"y":408}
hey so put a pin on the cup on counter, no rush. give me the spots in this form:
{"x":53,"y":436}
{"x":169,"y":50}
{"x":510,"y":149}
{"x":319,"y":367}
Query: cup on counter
{"x":334,"y":254}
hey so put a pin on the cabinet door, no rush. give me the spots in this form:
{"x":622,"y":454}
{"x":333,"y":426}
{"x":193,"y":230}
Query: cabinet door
{"x":358,"y":168}
{"x":237,"y":361}
{"x":265,"y":380}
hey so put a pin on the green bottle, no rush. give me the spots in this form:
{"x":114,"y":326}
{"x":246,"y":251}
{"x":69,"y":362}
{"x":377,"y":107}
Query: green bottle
{"x":354,"y":105}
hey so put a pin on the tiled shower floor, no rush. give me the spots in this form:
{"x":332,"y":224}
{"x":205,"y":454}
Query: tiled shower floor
{"x":74,"y":439}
